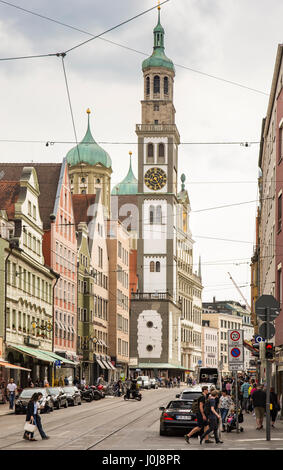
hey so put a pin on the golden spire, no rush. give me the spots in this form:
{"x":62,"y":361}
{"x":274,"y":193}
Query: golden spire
{"x":88,"y":111}
{"x":159,"y":7}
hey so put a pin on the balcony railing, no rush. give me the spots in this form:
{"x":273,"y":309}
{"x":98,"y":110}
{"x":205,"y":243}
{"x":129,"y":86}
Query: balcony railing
{"x":153,"y":128}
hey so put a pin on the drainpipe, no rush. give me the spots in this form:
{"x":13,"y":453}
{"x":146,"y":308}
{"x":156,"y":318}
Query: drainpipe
{"x":5,"y":292}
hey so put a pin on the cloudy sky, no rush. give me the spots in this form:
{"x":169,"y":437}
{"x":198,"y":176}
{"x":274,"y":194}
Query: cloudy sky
{"x":235,"y":41}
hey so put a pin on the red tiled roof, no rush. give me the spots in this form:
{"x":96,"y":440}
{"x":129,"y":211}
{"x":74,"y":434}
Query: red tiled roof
{"x":9,"y":192}
{"x":48,"y":178}
{"x":81,"y":203}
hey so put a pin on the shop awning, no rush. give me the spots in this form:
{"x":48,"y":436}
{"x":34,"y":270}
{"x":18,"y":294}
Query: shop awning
{"x":111,"y":365}
{"x":7,"y":365}
{"x":106,"y":364}
{"x":100,"y":363}
{"x":145,"y":365}
{"x":46,"y":356}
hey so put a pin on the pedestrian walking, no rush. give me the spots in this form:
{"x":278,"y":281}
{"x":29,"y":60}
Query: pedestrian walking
{"x":83,"y":381}
{"x":76,"y":381}
{"x":66,"y":381}
{"x":33,"y":417}
{"x":245,"y":395}
{"x":225,"y":404}
{"x":178,"y":381}
{"x":11,"y":389}
{"x":202,"y":421}
{"x":274,"y":400}
{"x":259,"y":404}
{"x":213,"y":417}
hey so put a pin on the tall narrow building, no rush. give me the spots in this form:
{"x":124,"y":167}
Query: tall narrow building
{"x":155,"y":310}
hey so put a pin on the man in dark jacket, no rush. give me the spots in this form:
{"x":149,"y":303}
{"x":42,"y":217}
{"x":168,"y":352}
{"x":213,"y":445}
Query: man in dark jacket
{"x":259,"y":404}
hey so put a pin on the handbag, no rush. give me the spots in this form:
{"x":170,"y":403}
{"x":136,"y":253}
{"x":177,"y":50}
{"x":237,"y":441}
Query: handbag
{"x":29,"y":427}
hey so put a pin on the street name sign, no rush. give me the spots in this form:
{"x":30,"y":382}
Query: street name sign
{"x":235,"y":337}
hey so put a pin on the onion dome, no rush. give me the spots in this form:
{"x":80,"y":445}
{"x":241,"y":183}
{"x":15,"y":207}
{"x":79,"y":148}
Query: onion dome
{"x":158,"y":57}
{"x":129,"y":185}
{"x":88,"y":151}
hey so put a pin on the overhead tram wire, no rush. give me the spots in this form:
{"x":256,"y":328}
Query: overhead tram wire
{"x":127,"y":47}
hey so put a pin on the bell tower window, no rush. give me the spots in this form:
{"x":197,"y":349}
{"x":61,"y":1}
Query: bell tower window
{"x":147,"y":85}
{"x":166,"y":85}
{"x":156,"y":84}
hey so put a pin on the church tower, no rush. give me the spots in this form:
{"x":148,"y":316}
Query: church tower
{"x":155,"y":310}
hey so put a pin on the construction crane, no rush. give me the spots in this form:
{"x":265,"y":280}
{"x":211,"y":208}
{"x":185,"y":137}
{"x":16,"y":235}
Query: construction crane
{"x":241,"y":294}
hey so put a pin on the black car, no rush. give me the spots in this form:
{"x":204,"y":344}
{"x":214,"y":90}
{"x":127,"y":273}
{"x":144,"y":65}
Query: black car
{"x":177,"y":416}
{"x":59,"y":397}
{"x":73,"y":395}
{"x":25,"y":396}
{"x":190,"y":394}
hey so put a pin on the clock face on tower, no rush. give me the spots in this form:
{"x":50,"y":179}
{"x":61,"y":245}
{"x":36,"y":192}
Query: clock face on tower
{"x":155,"y":178}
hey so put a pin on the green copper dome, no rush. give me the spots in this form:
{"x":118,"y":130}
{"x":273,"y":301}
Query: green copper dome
{"x":128,"y":186}
{"x":88,"y":151}
{"x":158,"y":57}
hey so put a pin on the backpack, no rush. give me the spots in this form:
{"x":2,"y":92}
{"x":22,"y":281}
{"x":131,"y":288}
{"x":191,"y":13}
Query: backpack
{"x":195,"y":406}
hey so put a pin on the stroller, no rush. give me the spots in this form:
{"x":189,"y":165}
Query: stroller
{"x":231,"y":421}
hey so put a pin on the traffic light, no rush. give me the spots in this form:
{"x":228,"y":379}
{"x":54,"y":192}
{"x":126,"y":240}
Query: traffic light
{"x":269,"y":350}
{"x":255,"y":351}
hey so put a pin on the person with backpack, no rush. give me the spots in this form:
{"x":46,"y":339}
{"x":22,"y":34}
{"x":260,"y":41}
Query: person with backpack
{"x":213,"y":417}
{"x":198,"y":406}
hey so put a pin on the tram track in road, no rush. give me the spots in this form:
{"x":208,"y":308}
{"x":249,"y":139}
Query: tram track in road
{"x":71,"y":421}
{"x":88,"y":414}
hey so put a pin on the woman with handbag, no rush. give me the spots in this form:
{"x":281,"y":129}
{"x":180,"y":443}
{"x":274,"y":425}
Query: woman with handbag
{"x":30,"y":424}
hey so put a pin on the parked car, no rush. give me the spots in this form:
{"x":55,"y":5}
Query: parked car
{"x":73,"y":395}
{"x":154,"y":383}
{"x":46,"y":401}
{"x":177,"y":416}
{"x":143,"y":381}
{"x":59,"y":397}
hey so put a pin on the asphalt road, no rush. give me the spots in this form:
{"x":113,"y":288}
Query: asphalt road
{"x":115,"y":424}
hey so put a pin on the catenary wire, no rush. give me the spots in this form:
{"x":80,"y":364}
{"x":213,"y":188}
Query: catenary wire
{"x":129,"y":48}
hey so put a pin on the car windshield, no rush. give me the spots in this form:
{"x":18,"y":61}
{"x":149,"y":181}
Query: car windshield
{"x":190,"y":395}
{"x":179,"y":405}
{"x":28,"y":393}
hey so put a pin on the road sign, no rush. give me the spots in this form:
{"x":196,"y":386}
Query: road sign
{"x":58,"y":363}
{"x":235,"y":337}
{"x":235,"y":357}
{"x":236,"y":366}
{"x":263,"y":330}
{"x":259,"y":339}
{"x":264,"y":302}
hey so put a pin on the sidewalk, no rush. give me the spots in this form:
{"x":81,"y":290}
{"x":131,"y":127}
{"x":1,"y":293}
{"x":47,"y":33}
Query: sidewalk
{"x":4,"y":410}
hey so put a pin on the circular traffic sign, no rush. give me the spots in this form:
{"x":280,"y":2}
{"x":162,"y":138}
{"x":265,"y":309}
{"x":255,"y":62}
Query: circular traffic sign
{"x":263,"y":331}
{"x":235,"y":352}
{"x":235,"y":335}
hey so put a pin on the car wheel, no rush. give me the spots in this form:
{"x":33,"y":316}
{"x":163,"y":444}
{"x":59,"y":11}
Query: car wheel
{"x":80,"y":402}
{"x":162,"y":432}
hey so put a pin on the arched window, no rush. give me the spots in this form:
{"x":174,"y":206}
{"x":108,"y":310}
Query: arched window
{"x":151,"y":266}
{"x":166,"y":85}
{"x":158,"y":215}
{"x":156,"y":84}
{"x":161,"y":153}
{"x":147,"y":85}
{"x":150,"y":153}
{"x":157,"y":269}
{"x":151,"y":214}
